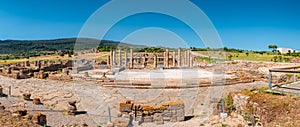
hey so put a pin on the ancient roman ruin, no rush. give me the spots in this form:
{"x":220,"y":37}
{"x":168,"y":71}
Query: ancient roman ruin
{"x":140,"y":88}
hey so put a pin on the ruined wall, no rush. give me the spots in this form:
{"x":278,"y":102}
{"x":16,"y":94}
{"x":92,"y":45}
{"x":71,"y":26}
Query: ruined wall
{"x":172,"y":111}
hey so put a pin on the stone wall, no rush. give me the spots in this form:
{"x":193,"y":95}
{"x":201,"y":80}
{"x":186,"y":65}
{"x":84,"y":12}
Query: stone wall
{"x":172,"y":111}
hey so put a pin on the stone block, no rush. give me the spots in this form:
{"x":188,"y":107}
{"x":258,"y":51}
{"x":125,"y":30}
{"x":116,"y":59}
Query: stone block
{"x":158,"y":118}
{"x":118,"y":123}
{"x":126,"y":106}
{"x":180,"y":112}
{"x":181,"y":118}
{"x":176,"y":105}
{"x":166,"y":118}
{"x":36,"y":101}
{"x":40,"y":119}
{"x":148,"y":119}
{"x":20,"y":112}
{"x":110,"y":125}
{"x":173,"y":119}
{"x":119,"y":114}
{"x":2,"y":107}
{"x":1,"y":90}
{"x":26,"y":96}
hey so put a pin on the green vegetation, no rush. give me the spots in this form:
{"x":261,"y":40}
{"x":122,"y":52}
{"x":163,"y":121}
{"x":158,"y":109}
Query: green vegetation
{"x":273,"y":47}
{"x":261,"y":56}
{"x":152,"y":49}
{"x":224,"y":125}
{"x":16,"y":49}
{"x":24,"y":49}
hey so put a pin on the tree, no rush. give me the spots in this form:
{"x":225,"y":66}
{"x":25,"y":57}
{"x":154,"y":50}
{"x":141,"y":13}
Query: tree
{"x":230,"y":57}
{"x":225,"y":49}
{"x":273,"y":47}
{"x":247,"y":53}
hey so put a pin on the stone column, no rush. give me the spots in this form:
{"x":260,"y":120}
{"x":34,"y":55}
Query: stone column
{"x":120,"y":58}
{"x":155,"y":61}
{"x":174,"y":60}
{"x":111,"y":58}
{"x":108,"y":61}
{"x":179,"y":58}
{"x":191,"y":61}
{"x":131,"y":58}
{"x":270,"y":80}
{"x":185,"y":57}
{"x":27,"y":64}
{"x":114,"y":58}
{"x":164,"y":59}
{"x":144,"y":61}
{"x":125,"y":59}
{"x":167,"y":58}
{"x":35,"y":63}
{"x":39,"y":64}
{"x":188,"y":58}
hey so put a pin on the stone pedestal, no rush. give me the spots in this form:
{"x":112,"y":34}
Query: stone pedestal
{"x":26,"y":96}
{"x":72,"y":109}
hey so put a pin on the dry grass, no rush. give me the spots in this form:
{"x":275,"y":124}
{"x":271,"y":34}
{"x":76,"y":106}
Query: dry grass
{"x":7,"y":120}
{"x":31,"y":59}
{"x":276,"y":109}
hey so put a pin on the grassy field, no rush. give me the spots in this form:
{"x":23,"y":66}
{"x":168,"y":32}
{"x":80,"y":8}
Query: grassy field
{"x":250,"y":56}
{"x":95,"y":56}
{"x":31,"y":59}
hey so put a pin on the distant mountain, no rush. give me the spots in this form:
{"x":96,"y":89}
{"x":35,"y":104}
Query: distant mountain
{"x":25,"y":46}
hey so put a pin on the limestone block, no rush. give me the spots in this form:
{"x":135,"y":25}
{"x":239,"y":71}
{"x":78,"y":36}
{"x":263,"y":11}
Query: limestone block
{"x":1,"y":90}
{"x":180,"y":112}
{"x":176,"y":105}
{"x":148,"y":119}
{"x":126,"y":106}
{"x":36,"y":101}
{"x":40,"y":119}
{"x":173,"y":119}
{"x":110,"y":125}
{"x":118,"y":123}
{"x":180,"y":118}
{"x":166,"y":118}
{"x":20,"y":112}
{"x":158,"y":118}
{"x":71,"y":108}
{"x":26,"y":96}
{"x":2,"y":107}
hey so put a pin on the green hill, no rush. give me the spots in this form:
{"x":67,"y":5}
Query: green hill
{"x":65,"y":44}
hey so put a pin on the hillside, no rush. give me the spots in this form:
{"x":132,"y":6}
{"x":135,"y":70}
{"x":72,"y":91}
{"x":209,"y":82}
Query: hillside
{"x":33,"y":46}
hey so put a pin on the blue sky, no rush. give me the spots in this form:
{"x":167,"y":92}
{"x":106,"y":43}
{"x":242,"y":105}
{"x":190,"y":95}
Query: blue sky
{"x":244,"y":24}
